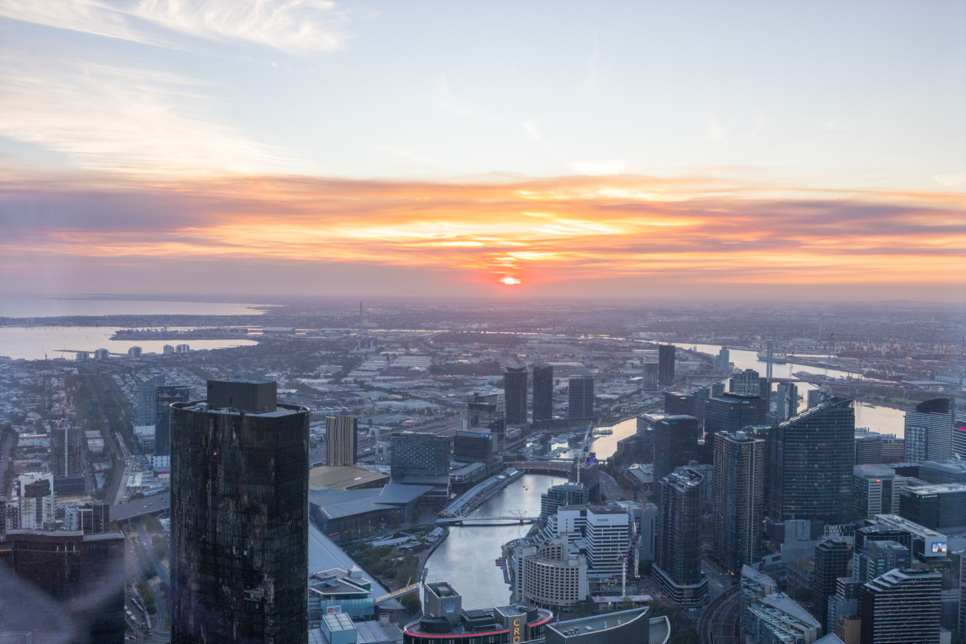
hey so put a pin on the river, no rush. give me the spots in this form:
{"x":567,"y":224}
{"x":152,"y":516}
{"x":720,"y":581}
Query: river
{"x":25,"y":305}
{"x":874,"y":417}
{"x":467,"y":558}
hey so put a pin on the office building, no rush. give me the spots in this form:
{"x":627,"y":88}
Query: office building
{"x":675,"y":444}
{"x":679,"y":404}
{"x":147,"y":400}
{"x":832,"y":558}
{"x":901,"y":607}
{"x":876,"y":558}
{"x":587,"y":473}
{"x":542,"y":392}
{"x":875,"y":490}
{"x":678,"y":563}
{"x":165,"y":397}
{"x":239,"y":516}
{"x":608,"y":540}
{"x":745,"y":383}
{"x":868,"y":447}
{"x":341,"y":440}
{"x":651,"y":380}
{"x":581,"y":398}
{"x":83,"y":574}
{"x":89,"y":518}
{"x":37,"y":501}
{"x":732,"y":412}
{"x":562,"y":495}
{"x":810,"y":461}
{"x":952,"y":470}
{"x":777,"y":619}
{"x":721,"y":363}
{"x":473,"y":447}
{"x":486,"y":414}
{"x":815,"y":397}
{"x":665,"y":365}
{"x":937,"y":507}
{"x":962,"y":594}
{"x":647,"y":532}
{"x":929,"y":431}
{"x":959,"y":440}
{"x":787,"y":401}
{"x":515,"y":386}
{"x":419,"y":454}
{"x":738,"y":489}
{"x":66,"y":454}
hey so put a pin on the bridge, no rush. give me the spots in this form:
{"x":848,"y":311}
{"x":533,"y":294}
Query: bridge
{"x":486,"y":521}
{"x":554,"y":468}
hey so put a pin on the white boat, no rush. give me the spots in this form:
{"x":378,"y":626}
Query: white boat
{"x":603,"y":432}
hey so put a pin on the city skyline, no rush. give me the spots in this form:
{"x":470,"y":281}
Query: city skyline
{"x":339,"y":149}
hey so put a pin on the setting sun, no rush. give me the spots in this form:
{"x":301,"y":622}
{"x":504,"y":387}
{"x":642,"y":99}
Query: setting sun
{"x":510,"y":281}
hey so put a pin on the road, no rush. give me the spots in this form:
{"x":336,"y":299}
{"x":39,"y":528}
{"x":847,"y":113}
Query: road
{"x":609,"y":487}
{"x":122,"y":456}
{"x":163,"y":574}
{"x":719,"y":622}
{"x":6,"y":443}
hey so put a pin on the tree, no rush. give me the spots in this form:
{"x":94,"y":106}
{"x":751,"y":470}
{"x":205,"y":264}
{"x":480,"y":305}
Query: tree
{"x":411,"y":603}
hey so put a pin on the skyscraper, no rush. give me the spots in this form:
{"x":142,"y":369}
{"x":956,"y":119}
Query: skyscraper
{"x":542,"y":392}
{"x":787,"y":406}
{"x":83,"y":573}
{"x":745,"y":382}
{"x":562,"y":495}
{"x":147,"y":400}
{"x":831,"y":562}
{"x":680,"y":404}
{"x":341,"y":444}
{"x":929,"y":431}
{"x":515,"y":386}
{"x":903,"y":605}
{"x":738,"y":488}
{"x":608,"y":540}
{"x":487,"y":414}
{"x":239,"y":517}
{"x":166,"y":396}
{"x":959,"y":440}
{"x":66,"y":453}
{"x":678,"y":563}
{"x":675,"y":443}
{"x":581,"y":398}
{"x":651,"y":376}
{"x":810,"y":460}
{"x":665,"y":362}
{"x":732,"y":412}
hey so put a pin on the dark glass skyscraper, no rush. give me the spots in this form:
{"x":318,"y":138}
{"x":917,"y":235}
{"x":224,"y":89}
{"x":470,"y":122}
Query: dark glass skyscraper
{"x":581,"y":398}
{"x":733,"y":412}
{"x":831,"y":562}
{"x":738,"y":489}
{"x":515,"y":388}
{"x":542,"y":392}
{"x":665,"y":364}
{"x":166,"y":396}
{"x":239,"y":517}
{"x":679,"y":404}
{"x":675,"y":443}
{"x":929,"y":431}
{"x":810,"y":460}
{"x":678,"y":564}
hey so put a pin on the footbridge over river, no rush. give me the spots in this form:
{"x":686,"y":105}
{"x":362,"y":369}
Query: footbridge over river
{"x":486,"y":521}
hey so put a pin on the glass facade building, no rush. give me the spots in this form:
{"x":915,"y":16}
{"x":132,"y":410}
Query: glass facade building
{"x":542,"y":392}
{"x":515,"y":386}
{"x":810,"y":461}
{"x":738,"y":488}
{"x":581,"y":398}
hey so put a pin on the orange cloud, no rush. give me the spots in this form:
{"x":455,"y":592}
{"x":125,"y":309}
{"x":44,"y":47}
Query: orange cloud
{"x":533,"y":231}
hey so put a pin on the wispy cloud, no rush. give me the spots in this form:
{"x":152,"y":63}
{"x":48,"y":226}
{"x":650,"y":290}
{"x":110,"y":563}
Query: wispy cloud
{"x":445,"y":99}
{"x":295,"y":26}
{"x":950,"y":180}
{"x":126,"y":120}
{"x":531,"y":126}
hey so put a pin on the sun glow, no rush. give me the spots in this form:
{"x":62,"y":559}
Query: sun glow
{"x":510,"y":281}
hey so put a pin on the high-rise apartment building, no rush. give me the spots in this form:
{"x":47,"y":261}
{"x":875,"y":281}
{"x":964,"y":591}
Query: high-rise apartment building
{"x":341,"y":442}
{"x":83,"y":574}
{"x":89,"y":518}
{"x":678,"y":563}
{"x":66,"y":457}
{"x":542,"y":392}
{"x":515,"y":386}
{"x":959,"y":440}
{"x":581,"y":398}
{"x":37,"y":502}
{"x":810,"y":461}
{"x":929,"y":431}
{"x":787,"y":401}
{"x":549,"y":574}
{"x":665,"y":362}
{"x":868,"y":447}
{"x":560,"y":496}
{"x":608,"y":540}
{"x":721,"y":363}
{"x":148,"y":401}
{"x":832,"y":558}
{"x":675,"y":443}
{"x":902,"y":606}
{"x":165,"y":397}
{"x":239,"y":517}
{"x":738,"y":488}
{"x":679,"y":404}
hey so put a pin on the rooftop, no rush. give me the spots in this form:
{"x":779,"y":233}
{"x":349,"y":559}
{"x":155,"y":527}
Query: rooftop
{"x":597,"y":623}
{"x":939,"y":488}
{"x":280,"y":411}
{"x":334,"y":477}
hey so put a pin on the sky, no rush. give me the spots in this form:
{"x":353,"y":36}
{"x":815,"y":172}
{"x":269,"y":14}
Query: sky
{"x":507,"y":150}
